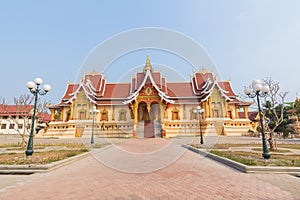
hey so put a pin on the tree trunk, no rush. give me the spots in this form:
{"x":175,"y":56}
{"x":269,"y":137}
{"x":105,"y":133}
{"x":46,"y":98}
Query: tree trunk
{"x":272,"y":142}
{"x":23,"y":141}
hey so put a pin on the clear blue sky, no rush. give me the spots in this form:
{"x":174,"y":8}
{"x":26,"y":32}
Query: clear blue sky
{"x":246,"y":39}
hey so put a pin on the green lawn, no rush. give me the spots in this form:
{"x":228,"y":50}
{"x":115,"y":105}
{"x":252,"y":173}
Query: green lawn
{"x":255,"y":159}
{"x":38,"y":157}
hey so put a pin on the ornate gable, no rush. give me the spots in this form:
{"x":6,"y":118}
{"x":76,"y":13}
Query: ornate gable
{"x":148,"y":77}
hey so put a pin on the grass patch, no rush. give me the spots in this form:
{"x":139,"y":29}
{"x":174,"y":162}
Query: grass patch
{"x":198,"y":146}
{"x":255,"y":159}
{"x":228,"y":145}
{"x":67,"y":145}
{"x":289,"y":146}
{"x":100,"y":145}
{"x":38,"y":157}
{"x":274,"y":150}
{"x":10,"y":145}
{"x":23,"y":148}
{"x":17,"y":146}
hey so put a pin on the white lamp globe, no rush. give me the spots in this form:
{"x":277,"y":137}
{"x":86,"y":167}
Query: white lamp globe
{"x":247,"y":91}
{"x":47,"y":88}
{"x":38,"y":81}
{"x":255,"y":82}
{"x":198,"y":107}
{"x":257,"y":87}
{"x":30,"y":85}
{"x":265,"y":89}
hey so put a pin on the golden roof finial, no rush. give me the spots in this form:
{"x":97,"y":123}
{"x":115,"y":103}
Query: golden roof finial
{"x":148,"y":59}
{"x":148,"y":64}
{"x":94,"y":72}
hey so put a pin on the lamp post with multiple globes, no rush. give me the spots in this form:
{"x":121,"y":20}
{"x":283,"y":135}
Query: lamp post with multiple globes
{"x":35,"y":89}
{"x":259,"y":90}
{"x":94,"y":112}
{"x":199,"y":111}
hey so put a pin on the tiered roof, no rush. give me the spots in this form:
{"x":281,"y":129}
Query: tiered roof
{"x":99,"y":92}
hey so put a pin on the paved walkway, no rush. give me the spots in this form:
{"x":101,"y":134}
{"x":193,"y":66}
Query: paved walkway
{"x":189,"y":176}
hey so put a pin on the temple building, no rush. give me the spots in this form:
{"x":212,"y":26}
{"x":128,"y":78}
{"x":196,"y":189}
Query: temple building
{"x":148,"y":106}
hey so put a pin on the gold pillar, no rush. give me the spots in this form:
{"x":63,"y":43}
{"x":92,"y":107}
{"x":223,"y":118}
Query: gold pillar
{"x":52,"y":114}
{"x":209,"y":107}
{"x":236,"y":112}
{"x":71,"y":111}
{"x":148,"y":107}
{"x":184,"y":112}
{"x":166,"y":112}
{"x":162,"y":112}
{"x":246,"y":112}
{"x":61,"y":114}
{"x":206,"y":109}
{"x":224,"y":110}
{"x":72,"y":108}
{"x":135,"y":112}
{"x":113,"y":113}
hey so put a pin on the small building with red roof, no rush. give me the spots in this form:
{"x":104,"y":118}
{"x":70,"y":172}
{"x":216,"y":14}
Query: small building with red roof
{"x":148,"y":106}
{"x":16,"y":119}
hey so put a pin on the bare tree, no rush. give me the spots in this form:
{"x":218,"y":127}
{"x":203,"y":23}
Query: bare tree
{"x":22,"y":116}
{"x":24,"y":106}
{"x":274,"y":104}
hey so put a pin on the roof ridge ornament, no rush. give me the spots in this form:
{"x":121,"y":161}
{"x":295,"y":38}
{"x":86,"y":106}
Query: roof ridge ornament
{"x":148,"y":65}
{"x":94,"y":72}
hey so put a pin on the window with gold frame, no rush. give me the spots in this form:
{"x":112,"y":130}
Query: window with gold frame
{"x":122,"y":115}
{"x":175,"y":114}
{"x":104,"y":115}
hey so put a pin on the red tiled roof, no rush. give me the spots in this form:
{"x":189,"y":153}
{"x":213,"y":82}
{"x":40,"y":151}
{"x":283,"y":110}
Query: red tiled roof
{"x":251,"y":115}
{"x":95,"y":80}
{"x":201,"y":77}
{"x":225,"y":85}
{"x":110,"y":102}
{"x":139,"y":79}
{"x":199,"y":87}
{"x":163,"y":82}
{"x":156,"y":78}
{"x":14,"y":110}
{"x":44,"y":117}
{"x":180,"y":89}
{"x":117,"y":90}
{"x":132,"y":85}
{"x":70,"y":89}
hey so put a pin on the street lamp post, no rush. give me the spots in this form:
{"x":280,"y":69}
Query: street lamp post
{"x":199,"y":111}
{"x":94,"y":111}
{"x":259,"y":90}
{"x":34,"y":88}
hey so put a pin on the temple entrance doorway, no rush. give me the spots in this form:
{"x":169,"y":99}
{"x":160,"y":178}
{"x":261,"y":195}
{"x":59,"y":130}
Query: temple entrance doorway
{"x":148,"y":120}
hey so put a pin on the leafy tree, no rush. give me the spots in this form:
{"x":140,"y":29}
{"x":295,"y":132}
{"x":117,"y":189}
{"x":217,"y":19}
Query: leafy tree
{"x":286,"y":126}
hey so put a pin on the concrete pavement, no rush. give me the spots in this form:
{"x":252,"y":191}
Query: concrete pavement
{"x":190,"y":176}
